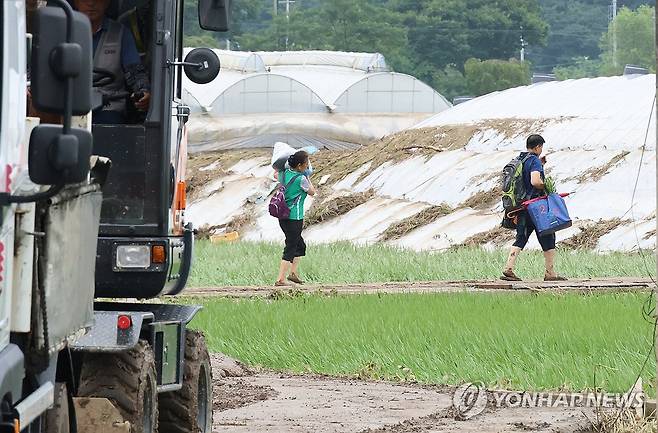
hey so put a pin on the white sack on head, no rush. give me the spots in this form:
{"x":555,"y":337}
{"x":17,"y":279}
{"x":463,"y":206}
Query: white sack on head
{"x":280,"y":155}
{"x":283,"y":151}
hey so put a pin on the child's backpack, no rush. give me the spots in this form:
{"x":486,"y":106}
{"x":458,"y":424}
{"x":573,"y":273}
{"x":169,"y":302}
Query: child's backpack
{"x":278,"y":206}
{"x":514,"y":192}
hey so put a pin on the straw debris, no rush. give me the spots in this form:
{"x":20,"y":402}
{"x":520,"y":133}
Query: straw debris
{"x":199,"y":175}
{"x":497,"y":236}
{"x":588,"y":237}
{"x":206,"y":230}
{"x":241,"y":222}
{"x":420,"y":219}
{"x":335,"y":207}
{"x":238,"y":224}
{"x":593,"y":174}
{"x":425,"y":142}
{"x":484,"y":199}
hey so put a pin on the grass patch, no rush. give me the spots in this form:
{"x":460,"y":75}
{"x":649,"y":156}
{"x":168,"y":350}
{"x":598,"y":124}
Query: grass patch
{"x":256,"y":264}
{"x":517,"y":341}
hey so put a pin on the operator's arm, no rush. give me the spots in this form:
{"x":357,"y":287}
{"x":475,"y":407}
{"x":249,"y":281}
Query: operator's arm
{"x":135,"y":74}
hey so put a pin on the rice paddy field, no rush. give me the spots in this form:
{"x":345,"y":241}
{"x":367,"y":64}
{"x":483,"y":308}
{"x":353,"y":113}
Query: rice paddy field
{"x":514,"y":341}
{"x":524,"y":341}
{"x":256,"y":264}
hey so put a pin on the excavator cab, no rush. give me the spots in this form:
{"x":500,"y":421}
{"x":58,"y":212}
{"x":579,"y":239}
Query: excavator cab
{"x":139,"y":367}
{"x":145,"y":245}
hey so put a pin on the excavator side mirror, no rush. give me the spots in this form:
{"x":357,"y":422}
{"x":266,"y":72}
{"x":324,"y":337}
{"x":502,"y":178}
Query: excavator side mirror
{"x":201,"y":65}
{"x":56,"y":158}
{"x":214,"y":15}
{"x":54,"y":61}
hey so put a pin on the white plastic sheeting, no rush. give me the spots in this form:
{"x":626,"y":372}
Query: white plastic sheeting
{"x":241,"y":61}
{"x":367,"y":62}
{"x":300,"y":83}
{"x":322,"y":130}
{"x":592,"y":159}
{"x":594,"y":113}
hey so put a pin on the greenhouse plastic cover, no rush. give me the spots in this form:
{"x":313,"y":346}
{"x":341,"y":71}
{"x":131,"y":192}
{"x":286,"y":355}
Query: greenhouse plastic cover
{"x":596,"y":149}
{"x":595,"y":113}
{"x":273,"y":90}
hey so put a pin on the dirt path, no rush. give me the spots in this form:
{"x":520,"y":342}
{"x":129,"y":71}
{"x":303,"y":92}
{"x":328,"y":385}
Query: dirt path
{"x":579,"y":285}
{"x":301,"y":404}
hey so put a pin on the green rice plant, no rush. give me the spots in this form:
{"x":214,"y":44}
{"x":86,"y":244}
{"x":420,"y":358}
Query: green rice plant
{"x":256,"y":264}
{"x":518,"y":341}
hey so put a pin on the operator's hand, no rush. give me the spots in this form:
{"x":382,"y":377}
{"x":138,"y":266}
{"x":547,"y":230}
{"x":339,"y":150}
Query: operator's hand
{"x":143,"y":103}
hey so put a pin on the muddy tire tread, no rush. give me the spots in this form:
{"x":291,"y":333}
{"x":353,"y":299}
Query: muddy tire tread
{"x":178,"y":409}
{"x":118,"y":377}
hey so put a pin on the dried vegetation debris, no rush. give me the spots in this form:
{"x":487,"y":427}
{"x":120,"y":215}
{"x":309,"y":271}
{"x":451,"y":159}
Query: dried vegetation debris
{"x":497,"y":236}
{"x":484,"y":199}
{"x":594,"y":174}
{"x":237,"y":224}
{"x":336,"y":206}
{"x":589,"y":235}
{"x":205,"y":167}
{"x":425,"y":142}
{"x":420,"y":219}
{"x":625,"y":420}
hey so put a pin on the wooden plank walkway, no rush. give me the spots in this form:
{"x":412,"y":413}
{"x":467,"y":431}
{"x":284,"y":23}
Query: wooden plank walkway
{"x":576,"y":285}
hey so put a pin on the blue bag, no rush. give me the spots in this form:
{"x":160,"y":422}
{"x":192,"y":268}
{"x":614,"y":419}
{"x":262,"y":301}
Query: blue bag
{"x":549,"y":214}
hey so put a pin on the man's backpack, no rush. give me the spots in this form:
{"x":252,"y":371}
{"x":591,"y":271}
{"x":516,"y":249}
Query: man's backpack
{"x":278,"y":207}
{"x":514,"y":192}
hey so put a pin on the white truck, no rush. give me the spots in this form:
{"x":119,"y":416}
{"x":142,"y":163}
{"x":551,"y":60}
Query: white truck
{"x":67,"y":362}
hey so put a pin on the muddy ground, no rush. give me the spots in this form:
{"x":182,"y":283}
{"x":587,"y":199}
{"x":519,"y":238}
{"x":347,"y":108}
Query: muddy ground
{"x":273,"y":402}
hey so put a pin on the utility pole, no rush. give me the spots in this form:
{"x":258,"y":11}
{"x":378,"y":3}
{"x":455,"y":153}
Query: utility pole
{"x":276,"y":7}
{"x":612,"y":16}
{"x":523,"y":45}
{"x":287,"y":3}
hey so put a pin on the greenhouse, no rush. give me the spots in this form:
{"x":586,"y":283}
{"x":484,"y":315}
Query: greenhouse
{"x":331,"y":99}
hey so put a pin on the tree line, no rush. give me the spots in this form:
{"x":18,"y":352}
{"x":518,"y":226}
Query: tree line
{"x":460,"y":47}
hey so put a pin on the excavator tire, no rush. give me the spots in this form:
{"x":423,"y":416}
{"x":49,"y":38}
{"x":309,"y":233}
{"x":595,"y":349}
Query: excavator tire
{"x":128,"y":380}
{"x":189,"y":410}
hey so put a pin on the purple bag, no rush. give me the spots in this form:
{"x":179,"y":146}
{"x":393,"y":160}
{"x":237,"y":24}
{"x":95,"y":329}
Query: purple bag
{"x":278,"y":206}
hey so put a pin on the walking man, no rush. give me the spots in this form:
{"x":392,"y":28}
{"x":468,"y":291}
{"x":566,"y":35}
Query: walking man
{"x":533,"y":180}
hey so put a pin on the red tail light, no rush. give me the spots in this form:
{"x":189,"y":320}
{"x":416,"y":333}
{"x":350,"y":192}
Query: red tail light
{"x":124,"y":322}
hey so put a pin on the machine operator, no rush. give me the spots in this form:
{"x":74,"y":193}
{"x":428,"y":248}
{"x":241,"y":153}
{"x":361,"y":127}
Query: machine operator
{"x":115,"y":52}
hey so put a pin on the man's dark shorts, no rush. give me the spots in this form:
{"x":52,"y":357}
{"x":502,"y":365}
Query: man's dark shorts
{"x":525,"y":227}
